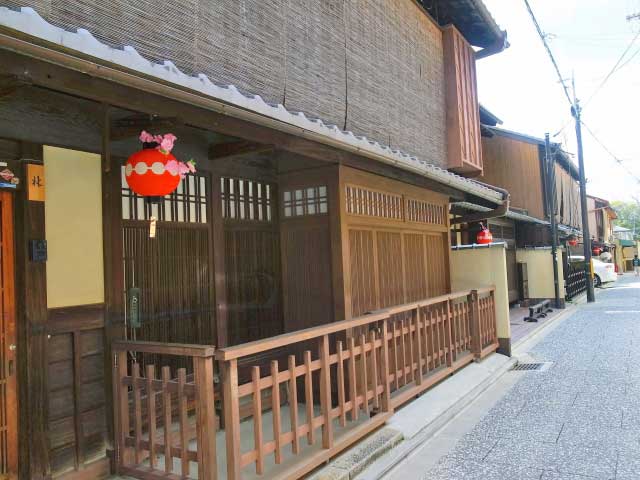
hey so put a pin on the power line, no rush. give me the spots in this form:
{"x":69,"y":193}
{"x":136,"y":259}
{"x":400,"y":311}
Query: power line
{"x":618,"y":160}
{"x":613,"y":69}
{"x":543,"y":37}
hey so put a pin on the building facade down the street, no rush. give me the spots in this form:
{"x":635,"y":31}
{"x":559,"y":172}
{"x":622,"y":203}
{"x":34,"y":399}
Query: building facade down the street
{"x":293,"y":289}
{"x":517,"y":163}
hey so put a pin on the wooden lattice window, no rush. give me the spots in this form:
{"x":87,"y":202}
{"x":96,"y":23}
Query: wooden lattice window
{"x":420,"y":211}
{"x":373,"y":203}
{"x":188,"y":203}
{"x":246,"y":200}
{"x":305,"y":201}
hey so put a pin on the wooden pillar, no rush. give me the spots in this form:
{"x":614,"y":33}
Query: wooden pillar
{"x":31,"y":299}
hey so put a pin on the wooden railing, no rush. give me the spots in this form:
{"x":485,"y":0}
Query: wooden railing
{"x":147,"y":409}
{"x":356,"y":371}
{"x":286,"y":417}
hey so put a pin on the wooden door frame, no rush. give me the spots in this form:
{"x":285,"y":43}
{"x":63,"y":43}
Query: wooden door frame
{"x":9,"y":306}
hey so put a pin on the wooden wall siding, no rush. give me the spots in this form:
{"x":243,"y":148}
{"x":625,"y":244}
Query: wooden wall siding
{"x":323,"y":58}
{"x":77,"y":410}
{"x":306,"y":276}
{"x":436,"y":249}
{"x":252,"y":264}
{"x":464,"y":152}
{"x":515,"y":166}
{"x":173,"y":273}
{"x":398,"y":249}
{"x":568,"y":198}
{"x":364,"y":289}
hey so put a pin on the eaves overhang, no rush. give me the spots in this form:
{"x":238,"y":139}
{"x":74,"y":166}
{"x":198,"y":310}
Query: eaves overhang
{"x":226,"y":99}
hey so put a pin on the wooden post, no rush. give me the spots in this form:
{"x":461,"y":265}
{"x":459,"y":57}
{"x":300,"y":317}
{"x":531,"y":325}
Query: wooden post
{"x":476,"y":340}
{"x":205,"y":418}
{"x":449,"y":335}
{"x":415,"y":316}
{"x":231,"y":417}
{"x":121,"y":405}
{"x":386,"y":387}
{"x":325,"y":392}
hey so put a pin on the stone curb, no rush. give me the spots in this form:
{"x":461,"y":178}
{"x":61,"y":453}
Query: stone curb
{"x":355,"y":460}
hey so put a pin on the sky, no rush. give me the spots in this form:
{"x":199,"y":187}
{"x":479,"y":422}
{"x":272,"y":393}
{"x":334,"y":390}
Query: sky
{"x":587,"y":37}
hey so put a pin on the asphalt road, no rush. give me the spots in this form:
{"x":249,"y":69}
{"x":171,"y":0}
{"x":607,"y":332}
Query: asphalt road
{"x":577,"y":420}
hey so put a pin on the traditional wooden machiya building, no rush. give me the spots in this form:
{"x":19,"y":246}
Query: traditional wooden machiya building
{"x":517,"y":162}
{"x":290,"y":293}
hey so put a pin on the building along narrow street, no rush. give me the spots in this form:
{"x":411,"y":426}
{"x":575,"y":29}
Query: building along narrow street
{"x":578,"y":419}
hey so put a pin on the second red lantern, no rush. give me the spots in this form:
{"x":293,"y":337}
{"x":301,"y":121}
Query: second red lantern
{"x":484,"y":236}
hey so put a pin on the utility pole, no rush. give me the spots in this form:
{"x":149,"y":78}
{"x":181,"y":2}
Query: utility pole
{"x":551,"y":179}
{"x":586,"y":238}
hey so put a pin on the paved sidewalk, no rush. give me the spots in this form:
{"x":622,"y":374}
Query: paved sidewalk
{"x":578,"y":420}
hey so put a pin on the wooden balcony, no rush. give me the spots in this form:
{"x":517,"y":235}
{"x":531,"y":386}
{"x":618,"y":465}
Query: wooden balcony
{"x":340,"y":381}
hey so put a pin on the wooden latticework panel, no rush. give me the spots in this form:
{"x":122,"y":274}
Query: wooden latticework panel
{"x":414,"y":265}
{"x":173,"y":273}
{"x":372,"y":203}
{"x":425,"y":212}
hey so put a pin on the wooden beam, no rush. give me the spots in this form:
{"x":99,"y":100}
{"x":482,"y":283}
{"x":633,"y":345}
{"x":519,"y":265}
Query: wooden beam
{"x":132,"y":126}
{"x":237,"y":149}
{"x":90,"y":84}
{"x":10,"y":83}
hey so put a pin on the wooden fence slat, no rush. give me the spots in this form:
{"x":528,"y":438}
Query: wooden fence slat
{"x":410,"y":344}
{"x":418,"y":344}
{"x":151,"y":414}
{"x":340,"y":370}
{"x":122,"y":409}
{"x":394,"y":347}
{"x":257,"y":419}
{"x":205,"y":418}
{"x":325,"y":392}
{"x":363,"y":374}
{"x":137,"y":411}
{"x":166,"y":414}
{"x":374,"y":369}
{"x":183,"y":421}
{"x":308,"y":396}
{"x":353,"y":381}
{"x":276,"y":412}
{"x":386,"y":386}
{"x":293,"y":405}
{"x":231,"y":417}
{"x":403,"y":352}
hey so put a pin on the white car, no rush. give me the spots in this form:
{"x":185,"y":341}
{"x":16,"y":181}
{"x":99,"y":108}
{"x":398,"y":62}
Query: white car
{"x":603,"y":272}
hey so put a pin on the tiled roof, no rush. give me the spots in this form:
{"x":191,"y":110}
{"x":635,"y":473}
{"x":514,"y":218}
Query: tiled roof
{"x":27,"y":21}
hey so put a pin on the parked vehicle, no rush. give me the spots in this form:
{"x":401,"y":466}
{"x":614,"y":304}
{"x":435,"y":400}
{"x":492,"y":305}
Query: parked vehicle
{"x":603,"y":272}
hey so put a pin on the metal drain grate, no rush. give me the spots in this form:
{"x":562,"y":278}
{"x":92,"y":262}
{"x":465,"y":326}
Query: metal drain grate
{"x":540,"y":367}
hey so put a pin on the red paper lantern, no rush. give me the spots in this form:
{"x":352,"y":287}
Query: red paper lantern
{"x":572,"y":242}
{"x":484,"y":236}
{"x":147,"y":176}
{"x":597,"y":250}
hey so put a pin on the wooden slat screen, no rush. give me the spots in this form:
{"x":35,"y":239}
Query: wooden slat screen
{"x":252,"y":259}
{"x":173,"y":273}
{"x":463,"y":111}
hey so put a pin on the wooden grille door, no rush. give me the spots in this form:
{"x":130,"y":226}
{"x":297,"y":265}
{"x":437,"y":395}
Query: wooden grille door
{"x":8,"y":403}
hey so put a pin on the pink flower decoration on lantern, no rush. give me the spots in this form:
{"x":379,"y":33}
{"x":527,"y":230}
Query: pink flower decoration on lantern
{"x":173,"y":167}
{"x":146,"y":137}
{"x":166,"y":144}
